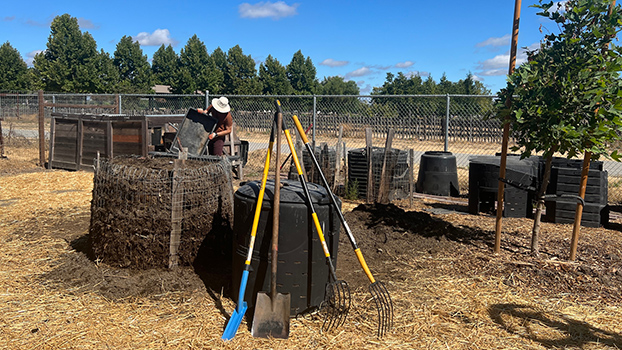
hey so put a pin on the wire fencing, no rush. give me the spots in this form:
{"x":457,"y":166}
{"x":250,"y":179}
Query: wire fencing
{"x":337,"y":126}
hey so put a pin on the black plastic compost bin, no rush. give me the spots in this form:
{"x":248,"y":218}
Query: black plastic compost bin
{"x":438,"y":174}
{"x":302,"y":269}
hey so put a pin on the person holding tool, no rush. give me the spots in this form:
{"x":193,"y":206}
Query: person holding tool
{"x":219,"y":109}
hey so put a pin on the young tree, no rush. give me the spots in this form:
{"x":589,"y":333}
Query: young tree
{"x":68,"y":63}
{"x":273,"y":78}
{"x":13,"y":70}
{"x":240,"y":73}
{"x":568,"y":97}
{"x":164,"y":65}
{"x":134,"y":69}
{"x":301,"y":73}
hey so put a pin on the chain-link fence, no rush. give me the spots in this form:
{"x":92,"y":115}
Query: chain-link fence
{"x":336,"y":124}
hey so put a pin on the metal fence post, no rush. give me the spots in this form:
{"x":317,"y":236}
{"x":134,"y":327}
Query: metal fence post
{"x":120,"y":105}
{"x":447,"y":125}
{"x":314,"y":121}
{"x":206,"y":99}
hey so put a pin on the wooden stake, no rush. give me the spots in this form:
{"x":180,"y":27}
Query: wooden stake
{"x":383,"y":191}
{"x":41,"y":129}
{"x":506,"y":132}
{"x":370,"y":173}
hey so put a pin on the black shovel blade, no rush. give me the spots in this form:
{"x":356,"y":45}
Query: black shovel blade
{"x":271,"y":317}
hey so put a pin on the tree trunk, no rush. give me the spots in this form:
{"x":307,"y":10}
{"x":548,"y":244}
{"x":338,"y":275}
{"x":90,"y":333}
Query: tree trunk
{"x":535,"y":233}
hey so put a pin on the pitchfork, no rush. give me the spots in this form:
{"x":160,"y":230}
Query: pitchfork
{"x":377,"y":289}
{"x":337,"y":299}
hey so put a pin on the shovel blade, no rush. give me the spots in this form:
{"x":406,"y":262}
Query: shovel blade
{"x":234,"y":322}
{"x":271,"y":317}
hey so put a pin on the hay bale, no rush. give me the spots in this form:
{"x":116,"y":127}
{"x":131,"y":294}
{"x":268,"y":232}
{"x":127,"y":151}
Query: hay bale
{"x":133,"y":201}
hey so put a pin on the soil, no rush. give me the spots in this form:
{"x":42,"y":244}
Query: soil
{"x":391,"y":237}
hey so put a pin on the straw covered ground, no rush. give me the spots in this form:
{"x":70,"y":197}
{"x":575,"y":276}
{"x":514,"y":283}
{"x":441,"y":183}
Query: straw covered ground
{"x":449,"y":291}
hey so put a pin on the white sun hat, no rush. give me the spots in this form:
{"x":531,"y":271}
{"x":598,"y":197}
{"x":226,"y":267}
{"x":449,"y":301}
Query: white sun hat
{"x":221,"y":104}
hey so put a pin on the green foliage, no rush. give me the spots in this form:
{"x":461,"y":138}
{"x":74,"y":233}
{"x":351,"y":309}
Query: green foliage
{"x":240,"y":74}
{"x":133,"y":66}
{"x":69,"y":62}
{"x":164,"y":65}
{"x":352,"y":190}
{"x":197,"y":72}
{"x":13,"y":70}
{"x":301,"y":73}
{"x":568,"y":97}
{"x":107,"y":73}
{"x":274,"y":78}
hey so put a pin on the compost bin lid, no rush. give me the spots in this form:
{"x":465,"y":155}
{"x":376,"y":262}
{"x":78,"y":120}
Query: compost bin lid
{"x":291,"y":192}
{"x":514,"y":163}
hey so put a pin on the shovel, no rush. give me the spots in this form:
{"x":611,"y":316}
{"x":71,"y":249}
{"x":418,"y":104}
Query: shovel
{"x":236,"y":318}
{"x":271,"y":317}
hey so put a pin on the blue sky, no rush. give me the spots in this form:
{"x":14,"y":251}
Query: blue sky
{"x":358,"y":40}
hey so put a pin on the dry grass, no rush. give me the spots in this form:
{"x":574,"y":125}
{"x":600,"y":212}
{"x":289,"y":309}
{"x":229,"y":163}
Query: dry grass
{"x":430,"y":312}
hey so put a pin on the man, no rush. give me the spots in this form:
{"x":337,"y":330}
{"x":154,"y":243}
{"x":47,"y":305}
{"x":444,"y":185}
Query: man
{"x":219,"y":109}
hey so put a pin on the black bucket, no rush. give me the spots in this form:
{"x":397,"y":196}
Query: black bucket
{"x":302,"y":270}
{"x":438,"y":174}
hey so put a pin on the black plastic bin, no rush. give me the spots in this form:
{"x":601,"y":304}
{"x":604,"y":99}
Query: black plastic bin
{"x":438,"y":174}
{"x":302,"y":269}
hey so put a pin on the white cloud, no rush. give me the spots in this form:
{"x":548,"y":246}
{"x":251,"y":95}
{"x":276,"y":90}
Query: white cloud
{"x":404,"y":64}
{"x":558,"y":6}
{"x":30,"y":57}
{"x":157,"y":38}
{"x":415,"y":73}
{"x":276,"y":10}
{"x":500,"y":64}
{"x":359,"y":72}
{"x":333,"y":63}
{"x":502,"y":41}
{"x":86,"y":24}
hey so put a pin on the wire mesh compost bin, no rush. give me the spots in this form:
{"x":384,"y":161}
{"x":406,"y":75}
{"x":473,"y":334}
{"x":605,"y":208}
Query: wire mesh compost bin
{"x":75,"y":139}
{"x":157,"y":212}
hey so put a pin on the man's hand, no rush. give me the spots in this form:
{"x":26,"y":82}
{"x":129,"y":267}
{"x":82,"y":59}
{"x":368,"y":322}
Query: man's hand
{"x":212,"y":135}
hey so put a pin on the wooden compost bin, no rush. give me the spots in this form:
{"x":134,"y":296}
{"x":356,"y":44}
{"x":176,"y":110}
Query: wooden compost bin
{"x":75,"y":139}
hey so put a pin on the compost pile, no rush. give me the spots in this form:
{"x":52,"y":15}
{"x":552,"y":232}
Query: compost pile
{"x":457,"y":245}
{"x":133,"y":200}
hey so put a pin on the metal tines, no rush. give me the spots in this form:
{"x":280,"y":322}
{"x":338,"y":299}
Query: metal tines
{"x":384,"y":305}
{"x":336,"y":305}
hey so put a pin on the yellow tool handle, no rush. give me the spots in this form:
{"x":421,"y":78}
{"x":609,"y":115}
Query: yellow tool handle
{"x":359,"y":255}
{"x":301,"y":131}
{"x":262,"y":191}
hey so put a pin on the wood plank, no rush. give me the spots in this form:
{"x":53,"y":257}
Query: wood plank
{"x":383,"y":192}
{"x":370,"y":173}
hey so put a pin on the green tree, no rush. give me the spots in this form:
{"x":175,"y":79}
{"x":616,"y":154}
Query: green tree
{"x":108,"y":74}
{"x":13,"y":70}
{"x":273,"y":77}
{"x":69,"y":62}
{"x":337,"y":86}
{"x":197,"y":72}
{"x":164,"y":65}
{"x":301,"y":73}
{"x":134,"y":69}
{"x":240,"y":73}
{"x":568,"y":97}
